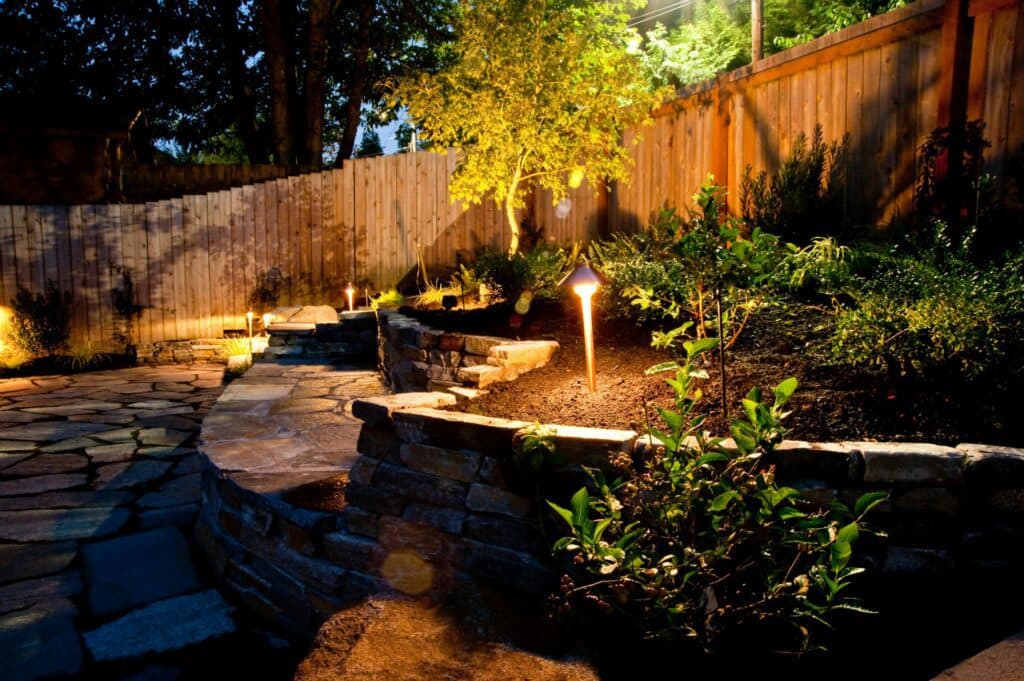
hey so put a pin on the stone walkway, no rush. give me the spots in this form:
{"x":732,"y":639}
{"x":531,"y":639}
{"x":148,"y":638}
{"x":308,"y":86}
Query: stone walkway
{"x":99,"y":489}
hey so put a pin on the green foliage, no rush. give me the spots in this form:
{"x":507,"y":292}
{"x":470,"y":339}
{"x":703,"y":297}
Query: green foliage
{"x":538,"y":271}
{"x":959,"y":211}
{"x":697,"y":50}
{"x":821,"y":267}
{"x":369,"y":145}
{"x":388,"y":300}
{"x":805,"y":20}
{"x":432,"y":293}
{"x":639,"y":262}
{"x":804,"y":197}
{"x":713,"y":258}
{"x":12,"y":356}
{"x":85,"y":356}
{"x":230,"y":347}
{"x":703,"y":545}
{"x":934,"y":314}
{"x":533,"y":91}
{"x":41,"y":322}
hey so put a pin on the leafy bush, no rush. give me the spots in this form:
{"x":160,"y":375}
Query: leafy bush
{"x":41,"y":322}
{"x":639,"y":261}
{"x":933,"y":314}
{"x":804,"y":197}
{"x":822,"y":267}
{"x":703,"y":545}
{"x":230,"y":347}
{"x":85,"y":356}
{"x":713,"y":260}
{"x":389,"y":300}
{"x":538,"y":271}
{"x":698,"y":50}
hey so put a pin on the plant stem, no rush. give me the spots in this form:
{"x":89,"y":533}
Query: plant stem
{"x":721,"y":351}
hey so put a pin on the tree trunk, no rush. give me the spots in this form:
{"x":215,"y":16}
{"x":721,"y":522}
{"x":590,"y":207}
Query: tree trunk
{"x":277,"y":30}
{"x":510,"y":212}
{"x":243,"y":102}
{"x":356,"y":87}
{"x":316,"y":67}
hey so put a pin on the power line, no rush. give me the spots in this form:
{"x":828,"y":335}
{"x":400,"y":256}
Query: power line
{"x":654,"y":14}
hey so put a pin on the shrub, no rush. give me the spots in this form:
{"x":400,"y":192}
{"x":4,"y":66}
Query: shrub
{"x":230,"y":347}
{"x":538,"y":271}
{"x":703,"y":545}
{"x":932,"y":315}
{"x":714,"y":263}
{"x":389,"y":300}
{"x":85,"y":356}
{"x":41,"y":322}
{"x":804,"y":197}
{"x":638,"y":261}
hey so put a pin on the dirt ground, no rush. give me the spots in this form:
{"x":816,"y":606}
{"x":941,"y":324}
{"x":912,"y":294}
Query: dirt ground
{"x":831,"y":403}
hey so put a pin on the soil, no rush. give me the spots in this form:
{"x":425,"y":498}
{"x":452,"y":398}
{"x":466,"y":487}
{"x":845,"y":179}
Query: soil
{"x":410,"y":640}
{"x":831,"y":403}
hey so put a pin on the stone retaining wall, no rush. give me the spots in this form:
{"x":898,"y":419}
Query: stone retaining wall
{"x":352,"y":338}
{"x":180,"y":352}
{"x":434,"y":498}
{"x":414,"y":357}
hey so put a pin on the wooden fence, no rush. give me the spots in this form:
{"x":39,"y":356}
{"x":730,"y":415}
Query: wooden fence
{"x":150,"y":183}
{"x":887,"y":82}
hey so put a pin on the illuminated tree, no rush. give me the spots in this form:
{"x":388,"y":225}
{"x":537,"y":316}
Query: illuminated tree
{"x":533,"y":92}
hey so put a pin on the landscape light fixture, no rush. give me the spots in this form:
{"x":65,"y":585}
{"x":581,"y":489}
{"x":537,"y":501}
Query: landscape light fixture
{"x":267,"y":316}
{"x":248,"y":318}
{"x":350,"y":293}
{"x":584,"y":282}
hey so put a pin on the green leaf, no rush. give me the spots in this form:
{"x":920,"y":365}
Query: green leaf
{"x":868,"y":501}
{"x":784,"y":390}
{"x":696,"y":347}
{"x":712,"y":457}
{"x":721,"y":502}
{"x":841,"y":552}
{"x":674,"y":420}
{"x":564,"y":513}
{"x":664,"y":366}
{"x":788,"y":513}
{"x":600,"y":527}
{"x":580,"y":507}
{"x":848,"y":533}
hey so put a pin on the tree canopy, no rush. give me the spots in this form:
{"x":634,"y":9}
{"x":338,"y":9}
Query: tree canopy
{"x":533,"y":92}
{"x":254,"y":80}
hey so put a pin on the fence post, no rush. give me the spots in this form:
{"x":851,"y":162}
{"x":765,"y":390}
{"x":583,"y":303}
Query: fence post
{"x":954,"y":80}
{"x":720,"y":140}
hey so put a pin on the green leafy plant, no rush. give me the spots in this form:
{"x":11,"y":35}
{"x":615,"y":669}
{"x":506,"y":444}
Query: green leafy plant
{"x":231,"y":347}
{"x":697,"y":50}
{"x":931,"y":314}
{"x":702,"y":544}
{"x":823,"y":266}
{"x":41,"y":322}
{"x":723,"y":272}
{"x":545,"y":105}
{"x":804,"y":197}
{"x":86,"y":355}
{"x":538,"y":271}
{"x":388,"y":300}
{"x":12,"y":356}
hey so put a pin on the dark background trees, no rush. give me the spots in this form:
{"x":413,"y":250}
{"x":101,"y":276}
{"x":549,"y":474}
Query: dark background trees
{"x":288,"y":81}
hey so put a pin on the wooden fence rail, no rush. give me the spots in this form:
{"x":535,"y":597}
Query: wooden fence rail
{"x":887,"y":82}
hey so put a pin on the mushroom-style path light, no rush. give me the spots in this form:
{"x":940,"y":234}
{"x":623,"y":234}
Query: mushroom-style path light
{"x":584,"y":282}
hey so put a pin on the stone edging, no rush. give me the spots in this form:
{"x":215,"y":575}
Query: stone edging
{"x":432,"y":500}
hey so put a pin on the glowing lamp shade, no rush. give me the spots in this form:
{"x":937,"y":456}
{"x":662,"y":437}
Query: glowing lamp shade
{"x":584,"y":282}
{"x":350,"y":293}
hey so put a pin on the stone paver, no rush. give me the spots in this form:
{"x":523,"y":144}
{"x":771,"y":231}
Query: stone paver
{"x":137,"y":569}
{"x":165,"y":625}
{"x":100,"y":486}
{"x":88,"y":463}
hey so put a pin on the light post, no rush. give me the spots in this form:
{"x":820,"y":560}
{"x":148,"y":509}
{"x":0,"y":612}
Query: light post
{"x":584,"y":282}
{"x":350,"y":293}
{"x":248,"y":318}
{"x":267,"y":316}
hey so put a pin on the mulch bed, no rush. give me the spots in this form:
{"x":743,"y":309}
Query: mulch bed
{"x":832,"y":403}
